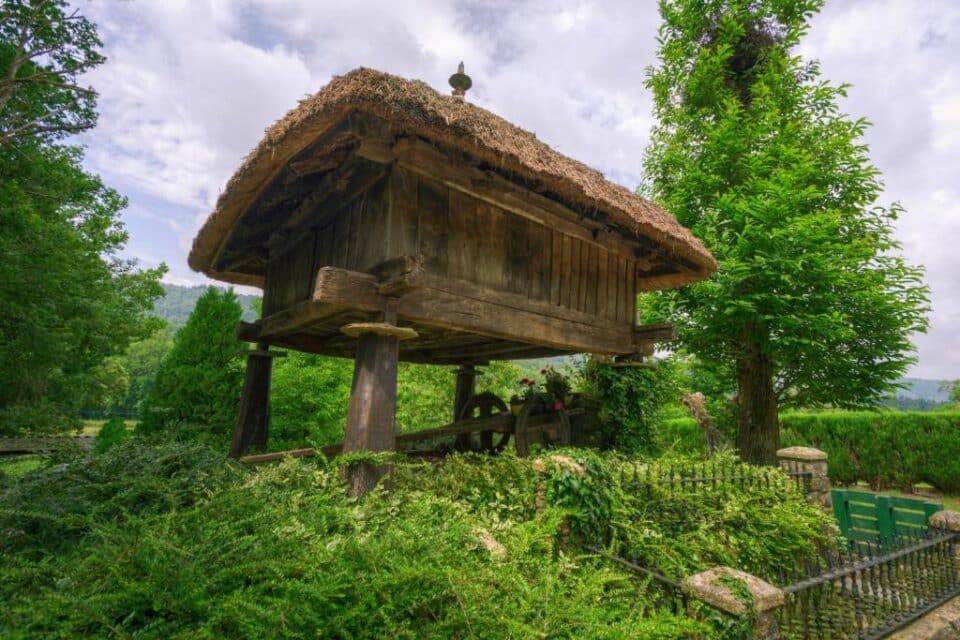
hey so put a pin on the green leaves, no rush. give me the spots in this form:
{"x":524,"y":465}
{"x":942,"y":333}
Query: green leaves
{"x":752,"y":153}
{"x":200,"y":379}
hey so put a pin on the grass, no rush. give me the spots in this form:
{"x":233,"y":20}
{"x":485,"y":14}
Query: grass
{"x":92,"y":427}
{"x":16,"y":466}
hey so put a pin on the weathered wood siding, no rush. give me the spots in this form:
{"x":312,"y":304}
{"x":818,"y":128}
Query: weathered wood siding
{"x":460,"y":238}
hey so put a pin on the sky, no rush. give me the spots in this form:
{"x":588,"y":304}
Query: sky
{"x":190,"y":85}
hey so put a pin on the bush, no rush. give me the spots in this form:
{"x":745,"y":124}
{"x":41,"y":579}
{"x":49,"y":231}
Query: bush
{"x":200,"y":379}
{"x":633,"y":401}
{"x":167,"y":540}
{"x":113,"y":432}
{"x":881,"y":448}
{"x":885,"y":449}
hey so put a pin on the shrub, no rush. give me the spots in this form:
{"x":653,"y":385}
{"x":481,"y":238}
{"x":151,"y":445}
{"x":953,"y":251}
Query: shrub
{"x":633,"y":401}
{"x":160,"y":539}
{"x":113,"y":432}
{"x":201,"y":377}
{"x":885,"y":449}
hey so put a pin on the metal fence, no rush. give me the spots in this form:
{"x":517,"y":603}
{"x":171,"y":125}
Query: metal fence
{"x":713,"y":478}
{"x":869,"y":591}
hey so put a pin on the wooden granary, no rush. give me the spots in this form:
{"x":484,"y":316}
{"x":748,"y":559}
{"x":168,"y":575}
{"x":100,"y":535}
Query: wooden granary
{"x":385,"y":221}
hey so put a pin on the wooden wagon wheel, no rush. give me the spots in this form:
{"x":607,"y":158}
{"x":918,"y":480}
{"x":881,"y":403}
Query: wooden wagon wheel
{"x":526,"y":435}
{"x":483,"y":405}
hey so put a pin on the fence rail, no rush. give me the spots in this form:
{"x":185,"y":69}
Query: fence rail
{"x":869,"y":591}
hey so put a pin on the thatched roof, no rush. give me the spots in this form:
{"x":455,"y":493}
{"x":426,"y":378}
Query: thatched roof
{"x":417,"y":109}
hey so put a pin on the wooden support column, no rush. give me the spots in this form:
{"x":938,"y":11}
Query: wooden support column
{"x":373,"y":397}
{"x":251,"y":428}
{"x":465,"y":388}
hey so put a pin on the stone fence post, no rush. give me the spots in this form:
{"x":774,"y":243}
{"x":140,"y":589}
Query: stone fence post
{"x":756,"y":597}
{"x":814,"y":461}
{"x":948,"y":521}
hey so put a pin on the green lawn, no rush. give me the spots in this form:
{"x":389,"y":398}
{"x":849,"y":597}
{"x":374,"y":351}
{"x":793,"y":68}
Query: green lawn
{"x":92,"y":427}
{"x":16,"y":466}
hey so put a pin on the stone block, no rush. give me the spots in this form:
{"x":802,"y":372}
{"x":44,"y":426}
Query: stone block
{"x":949,"y":520}
{"x":801,"y":454}
{"x":709,"y":587}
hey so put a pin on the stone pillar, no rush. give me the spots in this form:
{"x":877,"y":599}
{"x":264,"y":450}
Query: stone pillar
{"x":757,"y":598}
{"x":948,"y":521}
{"x":814,"y":461}
{"x":252,"y":425}
{"x":373,"y":397}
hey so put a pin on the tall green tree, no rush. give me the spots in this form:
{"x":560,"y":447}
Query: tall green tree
{"x":812,"y":303}
{"x":200,"y":380}
{"x":69,"y":301}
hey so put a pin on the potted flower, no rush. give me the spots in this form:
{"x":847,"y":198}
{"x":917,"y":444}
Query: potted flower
{"x":527,"y":389}
{"x":557,"y":385}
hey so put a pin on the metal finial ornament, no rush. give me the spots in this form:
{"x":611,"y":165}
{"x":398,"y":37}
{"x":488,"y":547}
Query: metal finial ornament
{"x":460,"y":82}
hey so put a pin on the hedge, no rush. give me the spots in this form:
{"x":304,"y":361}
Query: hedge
{"x":885,"y":449}
{"x":882,"y":448}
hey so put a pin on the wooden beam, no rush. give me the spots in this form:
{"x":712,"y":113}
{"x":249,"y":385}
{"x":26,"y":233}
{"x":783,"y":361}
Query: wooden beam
{"x":498,"y":424}
{"x":659,"y":332}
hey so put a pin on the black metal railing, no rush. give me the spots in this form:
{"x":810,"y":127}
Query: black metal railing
{"x":714,"y":478}
{"x":867,"y":592}
{"x":666,"y":593}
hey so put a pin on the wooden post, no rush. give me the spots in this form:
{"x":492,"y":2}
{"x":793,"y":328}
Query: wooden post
{"x":373,"y":397}
{"x":252,"y":426}
{"x":465,"y":388}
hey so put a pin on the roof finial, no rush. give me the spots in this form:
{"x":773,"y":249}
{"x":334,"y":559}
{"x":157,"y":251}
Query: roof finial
{"x":460,"y":82}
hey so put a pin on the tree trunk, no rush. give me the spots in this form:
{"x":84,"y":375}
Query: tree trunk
{"x":759,"y":432}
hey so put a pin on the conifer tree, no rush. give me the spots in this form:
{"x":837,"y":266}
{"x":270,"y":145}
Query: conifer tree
{"x":200,"y":380}
{"x":812,"y":303}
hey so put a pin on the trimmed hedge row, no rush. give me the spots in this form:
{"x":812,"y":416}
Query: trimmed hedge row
{"x":884,"y":449}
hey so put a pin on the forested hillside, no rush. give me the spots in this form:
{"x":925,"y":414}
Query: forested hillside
{"x":178,"y":302}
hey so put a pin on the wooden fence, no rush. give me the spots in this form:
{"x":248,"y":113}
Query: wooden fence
{"x":874,"y":519}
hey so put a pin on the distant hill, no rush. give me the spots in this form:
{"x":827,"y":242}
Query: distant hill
{"x":921,"y":389}
{"x":919,"y":395}
{"x":178,"y":302}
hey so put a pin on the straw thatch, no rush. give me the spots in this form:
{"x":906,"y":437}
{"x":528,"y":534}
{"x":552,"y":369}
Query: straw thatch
{"x":417,"y":109}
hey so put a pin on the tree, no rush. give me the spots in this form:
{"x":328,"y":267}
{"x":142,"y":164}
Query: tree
{"x":69,"y":302}
{"x":812,"y":303}
{"x":43,"y":51}
{"x":200,"y":380}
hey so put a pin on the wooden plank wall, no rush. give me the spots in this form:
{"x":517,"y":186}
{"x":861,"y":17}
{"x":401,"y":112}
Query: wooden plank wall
{"x":468,"y":239}
{"x":462,"y":238}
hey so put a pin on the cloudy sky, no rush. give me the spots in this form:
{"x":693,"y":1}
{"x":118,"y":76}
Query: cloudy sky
{"x":190,"y":85}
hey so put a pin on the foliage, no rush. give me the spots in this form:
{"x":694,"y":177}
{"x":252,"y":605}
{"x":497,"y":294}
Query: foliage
{"x":69,"y":302}
{"x":200,"y":380}
{"x":113,"y":432}
{"x":280,"y":551}
{"x":885,"y":449}
{"x":633,"y":400}
{"x":308,"y":399}
{"x":44,"y":49}
{"x":555,"y":382}
{"x":140,"y":364}
{"x":812,"y":303}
